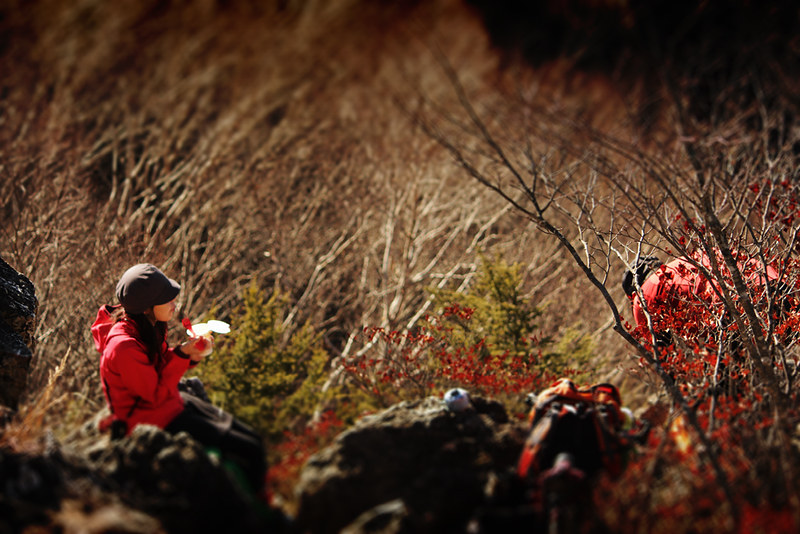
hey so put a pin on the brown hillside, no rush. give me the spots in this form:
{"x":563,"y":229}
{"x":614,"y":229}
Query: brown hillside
{"x":238,"y":141}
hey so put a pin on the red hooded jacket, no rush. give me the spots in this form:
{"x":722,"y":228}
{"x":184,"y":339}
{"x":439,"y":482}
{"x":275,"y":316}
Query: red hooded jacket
{"x":679,"y":283}
{"x":136,"y":390}
{"x":671,"y":284}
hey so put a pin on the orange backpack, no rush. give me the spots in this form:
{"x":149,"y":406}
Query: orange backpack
{"x":565,"y":391}
{"x":585,"y":422}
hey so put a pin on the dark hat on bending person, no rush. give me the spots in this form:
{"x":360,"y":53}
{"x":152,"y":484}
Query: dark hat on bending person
{"x":644,"y":266}
{"x":144,"y":286}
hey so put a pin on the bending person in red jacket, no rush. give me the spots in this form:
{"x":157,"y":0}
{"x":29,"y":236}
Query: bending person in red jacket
{"x":140,"y":372}
{"x":678,"y":294}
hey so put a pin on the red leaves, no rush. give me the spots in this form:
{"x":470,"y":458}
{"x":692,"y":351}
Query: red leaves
{"x":426,"y":362}
{"x":463,"y":313}
{"x":491,"y":375}
{"x":778,"y":202}
{"x":296,"y":448}
{"x":748,"y":417}
{"x":767,"y":519}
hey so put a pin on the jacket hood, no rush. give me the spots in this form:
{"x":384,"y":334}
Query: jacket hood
{"x":102,"y":325}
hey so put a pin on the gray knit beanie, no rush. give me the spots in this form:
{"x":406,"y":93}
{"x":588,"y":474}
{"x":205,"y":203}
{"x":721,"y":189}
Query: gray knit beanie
{"x":144,"y":286}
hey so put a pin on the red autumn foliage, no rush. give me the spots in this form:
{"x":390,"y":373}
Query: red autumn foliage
{"x":296,"y":448}
{"x":428,"y":362}
{"x":743,"y":404}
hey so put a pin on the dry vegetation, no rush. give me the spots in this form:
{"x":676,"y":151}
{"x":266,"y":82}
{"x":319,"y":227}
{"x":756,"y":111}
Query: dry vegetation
{"x":237,"y":143}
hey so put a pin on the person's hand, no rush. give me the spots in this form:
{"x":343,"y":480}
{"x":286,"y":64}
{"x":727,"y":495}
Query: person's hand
{"x":198,"y":347}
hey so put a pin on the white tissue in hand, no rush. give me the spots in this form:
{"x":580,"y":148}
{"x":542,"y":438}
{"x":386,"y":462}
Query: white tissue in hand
{"x":217,"y":327}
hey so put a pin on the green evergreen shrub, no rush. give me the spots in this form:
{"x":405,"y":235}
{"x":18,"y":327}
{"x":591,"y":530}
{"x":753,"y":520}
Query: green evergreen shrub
{"x":268,"y":379}
{"x":506,"y":322}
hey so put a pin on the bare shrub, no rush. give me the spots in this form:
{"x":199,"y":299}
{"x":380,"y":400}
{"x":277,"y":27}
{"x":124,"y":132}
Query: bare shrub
{"x":722,"y":183}
{"x":228,"y":144}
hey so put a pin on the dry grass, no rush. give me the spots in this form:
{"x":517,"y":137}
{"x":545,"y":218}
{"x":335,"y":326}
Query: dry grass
{"x":241,"y":142}
{"x":24,"y":432}
{"x":232,"y":144}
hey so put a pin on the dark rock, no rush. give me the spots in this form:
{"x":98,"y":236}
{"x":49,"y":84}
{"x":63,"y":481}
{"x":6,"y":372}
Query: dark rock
{"x":416,"y":467}
{"x":15,"y":363}
{"x":18,"y":307}
{"x":431,"y":464}
{"x":173,"y":479}
{"x":30,"y":488}
{"x":18,"y":303}
{"x":159,"y":482}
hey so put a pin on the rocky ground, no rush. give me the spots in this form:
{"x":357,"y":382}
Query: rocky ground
{"x":416,"y":467}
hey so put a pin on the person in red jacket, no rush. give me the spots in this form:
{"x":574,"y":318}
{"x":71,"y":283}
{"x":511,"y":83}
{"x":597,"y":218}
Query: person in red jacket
{"x":140,"y":372}
{"x":679,"y":290}
{"x":671,"y":288}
